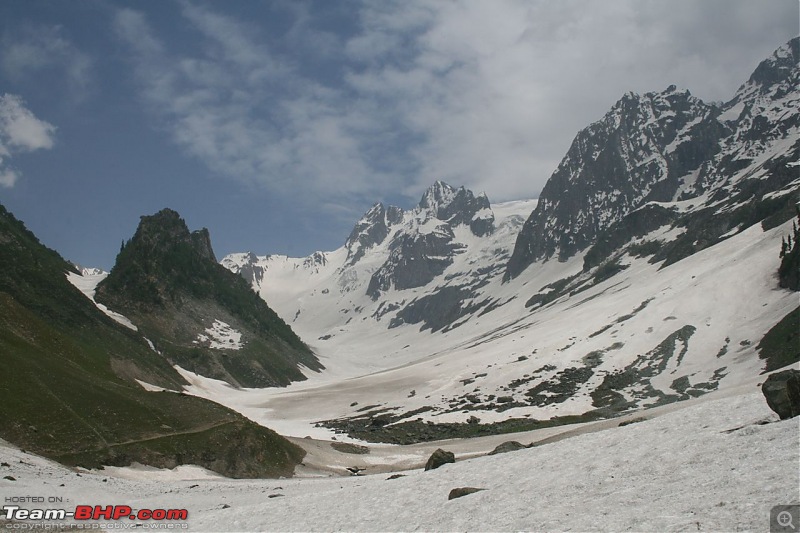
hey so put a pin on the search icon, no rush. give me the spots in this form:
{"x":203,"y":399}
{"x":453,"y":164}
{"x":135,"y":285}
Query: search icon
{"x":785,"y":519}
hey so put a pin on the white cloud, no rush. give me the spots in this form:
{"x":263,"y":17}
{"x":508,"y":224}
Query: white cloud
{"x":485,"y":94}
{"x":29,"y":50}
{"x":497,"y":90}
{"x":20,"y":131}
{"x":8,"y":177}
{"x":247,"y":114}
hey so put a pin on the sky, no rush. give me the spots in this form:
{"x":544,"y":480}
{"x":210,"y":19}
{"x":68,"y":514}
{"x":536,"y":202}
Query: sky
{"x":277,"y":124}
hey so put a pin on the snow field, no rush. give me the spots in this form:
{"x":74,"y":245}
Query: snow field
{"x":712,"y":466}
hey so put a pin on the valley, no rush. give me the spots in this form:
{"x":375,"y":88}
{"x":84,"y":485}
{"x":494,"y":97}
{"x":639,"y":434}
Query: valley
{"x":612,"y":335}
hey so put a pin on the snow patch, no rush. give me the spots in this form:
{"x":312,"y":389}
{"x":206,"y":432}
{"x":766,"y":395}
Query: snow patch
{"x":221,"y":336}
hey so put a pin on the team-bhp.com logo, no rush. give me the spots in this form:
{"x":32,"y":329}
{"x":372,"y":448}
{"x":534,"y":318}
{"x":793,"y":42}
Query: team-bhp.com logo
{"x":85,"y":513}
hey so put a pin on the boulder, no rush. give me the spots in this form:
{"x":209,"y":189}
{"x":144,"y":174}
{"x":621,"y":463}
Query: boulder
{"x":438,"y":458}
{"x":782,"y":392}
{"x":509,"y":446}
{"x":462,"y":491}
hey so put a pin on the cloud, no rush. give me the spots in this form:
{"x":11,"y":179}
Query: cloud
{"x":497,"y":90}
{"x":20,"y":131}
{"x":247,"y":113}
{"x":29,"y":50}
{"x":485,"y":94}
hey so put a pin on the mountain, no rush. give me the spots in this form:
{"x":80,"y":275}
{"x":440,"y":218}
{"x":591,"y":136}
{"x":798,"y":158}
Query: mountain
{"x":80,"y":388}
{"x":427,"y":261}
{"x":646,"y":273}
{"x":167,"y":282}
{"x":666,"y":147}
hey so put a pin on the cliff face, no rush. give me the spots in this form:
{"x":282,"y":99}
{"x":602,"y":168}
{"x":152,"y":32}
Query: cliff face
{"x":167,"y":281}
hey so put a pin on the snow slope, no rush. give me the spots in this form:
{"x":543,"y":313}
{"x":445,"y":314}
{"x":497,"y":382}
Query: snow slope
{"x":715,"y":466}
{"x":618,"y":320}
{"x":87,"y":282}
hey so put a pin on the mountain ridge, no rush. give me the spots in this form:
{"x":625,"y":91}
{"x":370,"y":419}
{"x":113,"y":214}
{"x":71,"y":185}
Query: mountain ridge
{"x":167,"y":281}
{"x":74,"y":382}
{"x":634,"y":313}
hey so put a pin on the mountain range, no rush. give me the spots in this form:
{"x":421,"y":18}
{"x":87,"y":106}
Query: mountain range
{"x":645,"y":273}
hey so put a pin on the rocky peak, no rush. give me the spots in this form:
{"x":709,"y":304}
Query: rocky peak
{"x":168,"y":283}
{"x":371,"y":230}
{"x":765,"y":107}
{"x":779,"y":67}
{"x":438,"y":195}
{"x":166,"y":229}
{"x":640,"y":151}
{"x":458,"y":206}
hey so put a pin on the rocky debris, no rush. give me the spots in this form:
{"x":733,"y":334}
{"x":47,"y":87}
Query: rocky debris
{"x":462,"y":491}
{"x":346,"y":447}
{"x":355,"y":470}
{"x":473,"y":420}
{"x":509,"y":446}
{"x":631,"y":421}
{"x":439,"y":458}
{"x":782,"y":392}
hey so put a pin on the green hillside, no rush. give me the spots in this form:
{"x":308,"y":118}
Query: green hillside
{"x":67,"y":388}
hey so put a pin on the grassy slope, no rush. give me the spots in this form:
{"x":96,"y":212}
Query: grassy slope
{"x":66,"y":388}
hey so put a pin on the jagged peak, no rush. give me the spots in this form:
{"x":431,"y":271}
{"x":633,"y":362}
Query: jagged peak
{"x":166,"y":227}
{"x":440,"y":193}
{"x":376,"y":208}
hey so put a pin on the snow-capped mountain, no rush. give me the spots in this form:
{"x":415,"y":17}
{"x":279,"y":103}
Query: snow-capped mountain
{"x":640,"y":151}
{"x":449,"y":244}
{"x":656,"y":215}
{"x":663,"y":147}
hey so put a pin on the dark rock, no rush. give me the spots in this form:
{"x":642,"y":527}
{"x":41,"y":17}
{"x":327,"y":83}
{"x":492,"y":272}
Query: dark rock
{"x":415,"y":259}
{"x":473,"y":420}
{"x":226,"y":506}
{"x":438,"y":458}
{"x":631,"y":421}
{"x":5,"y":464}
{"x":167,"y":280}
{"x":638,"y":164}
{"x":462,"y":491}
{"x":10,"y":478}
{"x":440,"y":309}
{"x":371,"y":230}
{"x":459,"y":206}
{"x":395,"y":476}
{"x":346,"y":447}
{"x":510,"y":446}
{"x":275,"y":496}
{"x":782,"y":392}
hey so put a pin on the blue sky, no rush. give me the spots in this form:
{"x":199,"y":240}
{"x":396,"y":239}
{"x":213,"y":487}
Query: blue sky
{"x":276,"y":124}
